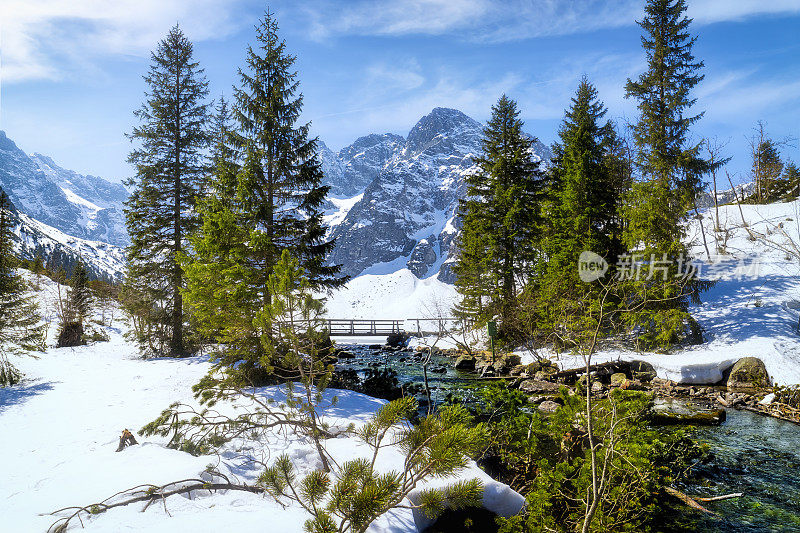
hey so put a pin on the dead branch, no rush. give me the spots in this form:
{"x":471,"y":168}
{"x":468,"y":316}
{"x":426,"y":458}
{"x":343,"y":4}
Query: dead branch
{"x":688,"y":500}
{"x":146,"y":493}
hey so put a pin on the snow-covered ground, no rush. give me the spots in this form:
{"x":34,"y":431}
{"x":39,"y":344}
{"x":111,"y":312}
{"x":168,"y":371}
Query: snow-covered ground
{"x":60,"y":428}
{"x":396,"y":295}
{"x":752,"y":311}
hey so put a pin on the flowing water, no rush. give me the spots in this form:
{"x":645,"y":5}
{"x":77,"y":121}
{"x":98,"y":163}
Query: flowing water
{"x":753,"y":454}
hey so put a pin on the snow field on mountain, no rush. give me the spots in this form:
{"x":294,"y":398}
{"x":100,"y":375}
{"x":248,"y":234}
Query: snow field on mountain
{"x":60,"y":429}
{"x":398,"y":294}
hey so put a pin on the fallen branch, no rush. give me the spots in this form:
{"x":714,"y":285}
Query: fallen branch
{"x":718,"y":498}
{"x":146,"y":493}
{"x":688,"y":500}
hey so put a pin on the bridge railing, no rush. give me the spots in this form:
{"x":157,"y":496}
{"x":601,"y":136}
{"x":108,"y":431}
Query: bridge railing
{"x":363,"y":327}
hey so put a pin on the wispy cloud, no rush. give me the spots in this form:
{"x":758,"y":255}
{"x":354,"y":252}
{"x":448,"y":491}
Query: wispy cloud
{"x":508,"y":20}
{"x":542,"y":94}
{"x":46,"y":39}
{"x":710,"y":11}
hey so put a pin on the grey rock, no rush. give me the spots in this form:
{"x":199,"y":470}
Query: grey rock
{"x":548,"y":406}
{"x":532,"y":386}
{"x":465,"y":362}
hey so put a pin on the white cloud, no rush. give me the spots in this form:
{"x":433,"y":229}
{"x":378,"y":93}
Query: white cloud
{"x":43,"y":39}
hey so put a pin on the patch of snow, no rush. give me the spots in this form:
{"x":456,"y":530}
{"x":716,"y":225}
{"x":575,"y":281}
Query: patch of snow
{"x":77,"y":200}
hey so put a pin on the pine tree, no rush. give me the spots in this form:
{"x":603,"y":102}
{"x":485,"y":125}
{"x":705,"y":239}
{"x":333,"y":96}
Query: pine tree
{"x":170,"y":165}
{"x":791,"y":181}
{"x":766,"y":168}
{"x":670,"y":171}
{"x":267,"y":199}
{"x":77,"y":308}
{"x":499,"y":241}
{"x":583,"y":214}
{"x":19,"y":332}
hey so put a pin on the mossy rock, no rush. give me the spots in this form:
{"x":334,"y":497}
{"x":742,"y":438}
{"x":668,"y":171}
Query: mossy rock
{"x":465,"y":362}
{"x":748,"y":373}
{"x":643,"y":371}
{"x":674,"y":411}
{"x":618,"y":379}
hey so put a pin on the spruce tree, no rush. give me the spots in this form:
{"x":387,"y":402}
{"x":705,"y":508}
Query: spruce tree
{"x":77,"y":309}
{"x":267,"y":199}
{"x":499,"y":241}
{"x":582,"y":215}
{"x":170,"y":165}
{"x":19,"y":317}
{"x":791,"y":181}
{"x":669,"y":169}
{"x":766,"y":172}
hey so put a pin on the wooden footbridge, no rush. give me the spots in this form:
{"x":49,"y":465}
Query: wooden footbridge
{"x":364,"y":327}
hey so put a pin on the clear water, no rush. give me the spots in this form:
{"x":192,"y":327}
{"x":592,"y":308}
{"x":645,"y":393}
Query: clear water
{"x":758,"y":456}
{"x":753,"y":454}
{"x":443,"y":379}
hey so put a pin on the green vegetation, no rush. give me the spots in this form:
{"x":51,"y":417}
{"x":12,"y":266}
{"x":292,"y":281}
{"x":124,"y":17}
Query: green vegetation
{"x":19,"y":316}
{"x":547,"y":458}
{"x":264,"y":198}
{"x":500,"y":238}
{"x":521,"y":241}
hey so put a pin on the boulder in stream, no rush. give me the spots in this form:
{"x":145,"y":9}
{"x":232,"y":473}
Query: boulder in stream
{"x":674,"y":411}
{"x":465,"y":362}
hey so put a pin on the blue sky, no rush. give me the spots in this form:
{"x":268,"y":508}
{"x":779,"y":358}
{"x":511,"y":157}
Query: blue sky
{"x":71,"y":70}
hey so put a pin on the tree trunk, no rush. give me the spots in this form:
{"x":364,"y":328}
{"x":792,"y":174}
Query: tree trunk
{"x":176,"y":342}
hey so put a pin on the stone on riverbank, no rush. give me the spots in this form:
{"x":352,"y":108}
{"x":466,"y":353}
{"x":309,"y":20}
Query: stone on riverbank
{"x":748,"y":373}
{"x":671,"y":411}
{"x":465,"y":362}
{"x":532,"y":386}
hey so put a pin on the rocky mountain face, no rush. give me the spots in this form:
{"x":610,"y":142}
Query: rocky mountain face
{"x":63,"y":215}
{"x":407,"y":214}
{"x":87,"y":207}
{"x":349,"y":171}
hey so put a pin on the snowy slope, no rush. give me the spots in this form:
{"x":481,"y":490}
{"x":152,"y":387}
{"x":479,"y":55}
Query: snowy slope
{"x":103,"y":260}
{"x":392,"y":293}
{"x":60,"y":429}
{"x":755,"y":314}
{"x":84,"y":206}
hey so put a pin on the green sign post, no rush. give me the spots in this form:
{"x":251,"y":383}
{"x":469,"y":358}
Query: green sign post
{"x":491,"y":329}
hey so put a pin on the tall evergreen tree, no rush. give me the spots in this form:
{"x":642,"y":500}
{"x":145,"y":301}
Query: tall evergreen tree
{"x":76,"y":308}
{"x":170,"y":165}
{"x":499,"y":242}
{"x":19,"y":332}
{"x":766,"y":171}
{"x":583,"y":214}
{"x":268,"y":198}
{"x":670,"y":171}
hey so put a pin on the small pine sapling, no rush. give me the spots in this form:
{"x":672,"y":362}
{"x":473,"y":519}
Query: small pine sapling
{"x":356,"y":492}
